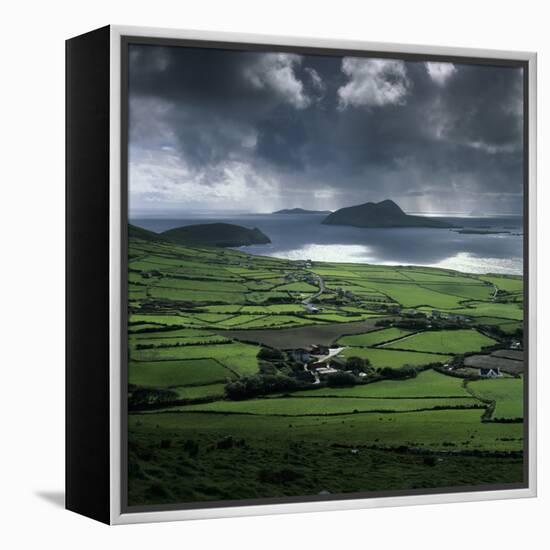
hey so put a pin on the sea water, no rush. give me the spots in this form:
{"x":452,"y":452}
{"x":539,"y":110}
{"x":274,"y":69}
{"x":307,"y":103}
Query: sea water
{"x":303,"y":236}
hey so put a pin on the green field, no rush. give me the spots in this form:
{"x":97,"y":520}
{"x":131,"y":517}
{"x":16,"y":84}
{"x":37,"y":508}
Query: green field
{"x":200,"y":457}
{"x":444,"y":341}
{"x":432,"y":430}
{"x":238,"y":357}
{"x":198,"y":392}
{"x":394,"y":358}
{"x":197,"y":316}
{"x":373,"y":338}
{"x":426,"y":384}
{"x":178,"y":373}
{"x":507,"y":393}
{"x":507,"y":284}
{"x":321,"y":406}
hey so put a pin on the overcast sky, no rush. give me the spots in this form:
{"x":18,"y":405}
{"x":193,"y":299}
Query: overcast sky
{"x":219,"y":130}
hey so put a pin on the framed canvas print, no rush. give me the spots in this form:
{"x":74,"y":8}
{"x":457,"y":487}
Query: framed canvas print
{"x":300,"y":274}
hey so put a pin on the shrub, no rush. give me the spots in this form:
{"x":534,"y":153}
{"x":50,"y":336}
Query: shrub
{"x":284,"y":475}
{"x":267,"y":368}
{"x":225,"y":443}
{"x":429,"y":461}
{"x":191,"y":447}
{"x":304,"y":376}
{"x":270,"y":354}
{"x":358,"y":364}
{"x":339,"y":379}
{"x":260,"y":384}
{"x":395,"y":374}
{"x":147,"y":397}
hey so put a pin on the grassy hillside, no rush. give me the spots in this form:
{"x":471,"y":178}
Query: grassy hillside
{"x":204,"y":319}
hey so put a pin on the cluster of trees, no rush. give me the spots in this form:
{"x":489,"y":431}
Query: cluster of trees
{"x":144,"y":330}
{"x":411,"y":323}
{"x":142,"y":398}
{"x":397,"y":374}
{"x":422,"y":323}
{"x":270,"y":354}
{"x":247,"y":387}
{"x":180,"y":344}
{"x":341,"y":379}
{"x":496,"y":332}
{"x":358,"y":364}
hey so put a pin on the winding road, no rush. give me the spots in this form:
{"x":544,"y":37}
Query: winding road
{"x":321,"y":284}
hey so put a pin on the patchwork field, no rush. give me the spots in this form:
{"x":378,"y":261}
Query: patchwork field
{"x":223,"y":349}
{"x":393,"y":358}
{"x":495,"y":361}
{"x":507,"y":394}
{"x":428,"y":383}
{"x":374,"y":337}
{"x":178,"y":373}
{"x":444,"y":341}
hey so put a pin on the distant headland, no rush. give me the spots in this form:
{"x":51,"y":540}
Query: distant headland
{"x":382,"y":214}
{"x":205,"y":234}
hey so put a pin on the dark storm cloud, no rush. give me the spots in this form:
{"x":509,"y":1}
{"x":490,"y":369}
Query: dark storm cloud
{"x":263,"y":130}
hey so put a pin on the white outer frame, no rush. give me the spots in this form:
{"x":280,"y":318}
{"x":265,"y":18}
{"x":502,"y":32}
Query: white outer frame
{"x":116,"y":515}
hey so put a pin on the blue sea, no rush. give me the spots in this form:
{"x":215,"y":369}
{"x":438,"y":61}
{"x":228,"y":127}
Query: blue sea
{"x":302,"y":236}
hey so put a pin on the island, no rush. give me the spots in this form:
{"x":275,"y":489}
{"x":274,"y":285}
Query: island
{"x":302,"y":211}
{"x":382,"y":214}
{"x":216,"y":234}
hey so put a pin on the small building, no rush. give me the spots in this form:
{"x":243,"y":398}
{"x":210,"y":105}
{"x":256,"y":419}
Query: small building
{"x":436,"y":314}
{"x":325,"y":371}
{"x":515,"y":345}
{"x":458,"y":317}
{"x":311,"y":308}
{"x":319,"y":349}
{"x":492,"y":372}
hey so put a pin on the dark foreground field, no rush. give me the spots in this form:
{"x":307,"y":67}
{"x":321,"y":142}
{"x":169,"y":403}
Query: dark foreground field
{"x":170,"y":465}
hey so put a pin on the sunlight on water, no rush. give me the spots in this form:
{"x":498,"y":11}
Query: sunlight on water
{"x":472,"y":264}
{"x":351,"y":253}
{"x":298,"y":237}
{"x":346,"y":253}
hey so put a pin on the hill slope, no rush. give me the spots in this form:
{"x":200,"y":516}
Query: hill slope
{"x":216,"y":234}
{"x":381,"y":214}
{"x":144,"y":234}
